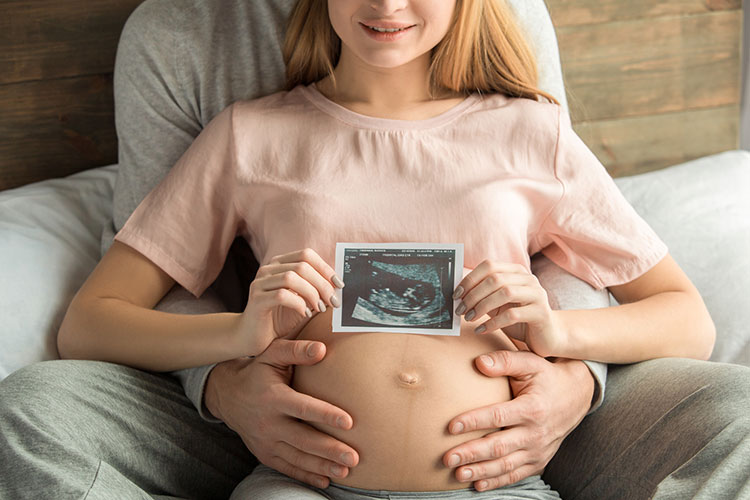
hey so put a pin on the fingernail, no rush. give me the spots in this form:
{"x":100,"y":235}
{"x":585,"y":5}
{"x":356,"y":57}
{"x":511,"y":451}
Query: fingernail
{"x":461,"y":308}
{"x":486,"y":360}
{"x":481,"y":485}
{"x":480,"y":329}
{"x":458,"y":427}
{"x":459,"y":291}
{"x":348,"y":459}
{"x":465,"y":474}
{"x":470,"y":315}
{"x":321,"y":306}
{"x":454,"y":460}
{"x":337,"y":470}
{"x":341,"y":422}
{"x":312,"y":350}
{"x":337,"y":281}
{"x":308,"y":312}
{"x":335,"y":301}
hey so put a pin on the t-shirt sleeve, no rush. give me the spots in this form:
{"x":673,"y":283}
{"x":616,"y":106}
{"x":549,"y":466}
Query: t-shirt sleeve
{"x":592,"y":231}
{"x":188,"y":222}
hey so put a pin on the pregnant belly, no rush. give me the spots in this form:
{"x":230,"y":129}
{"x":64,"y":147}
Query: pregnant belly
{"x":401,"y":391}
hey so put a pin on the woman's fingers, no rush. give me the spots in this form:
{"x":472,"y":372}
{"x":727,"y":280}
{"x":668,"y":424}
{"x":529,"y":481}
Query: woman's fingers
{"x":305,"y":273}
{"x":315,"y":260}
{"x":484,"y":269}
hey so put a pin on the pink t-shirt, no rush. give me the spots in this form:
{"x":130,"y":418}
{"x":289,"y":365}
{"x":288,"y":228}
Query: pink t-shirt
{"x":507,"y":177}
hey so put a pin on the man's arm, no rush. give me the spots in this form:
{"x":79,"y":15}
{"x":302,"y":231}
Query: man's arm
{"x":172,"y":76}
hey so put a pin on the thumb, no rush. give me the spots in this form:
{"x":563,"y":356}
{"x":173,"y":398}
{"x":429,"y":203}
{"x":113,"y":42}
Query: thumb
{"x":284,"y":353}
{"x":516,"y":364}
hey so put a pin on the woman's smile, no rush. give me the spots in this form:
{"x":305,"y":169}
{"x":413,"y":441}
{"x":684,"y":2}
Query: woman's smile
{"x":386,"y":32}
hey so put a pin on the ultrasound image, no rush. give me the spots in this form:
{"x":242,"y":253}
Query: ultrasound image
{"x":398,"y":290}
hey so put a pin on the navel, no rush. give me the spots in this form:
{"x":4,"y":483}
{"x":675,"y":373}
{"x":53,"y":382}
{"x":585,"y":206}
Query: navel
{"x":410,"y":379}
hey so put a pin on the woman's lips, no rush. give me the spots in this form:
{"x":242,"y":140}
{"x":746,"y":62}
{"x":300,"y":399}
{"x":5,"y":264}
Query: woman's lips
{"x":385,"y":36}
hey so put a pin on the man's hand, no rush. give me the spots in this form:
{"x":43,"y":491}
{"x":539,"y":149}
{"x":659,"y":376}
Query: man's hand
{"x":549,"y":400}
{"x":254,"y":399}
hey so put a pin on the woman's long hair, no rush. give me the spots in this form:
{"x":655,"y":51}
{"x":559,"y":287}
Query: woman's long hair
{"x":483,"y":51}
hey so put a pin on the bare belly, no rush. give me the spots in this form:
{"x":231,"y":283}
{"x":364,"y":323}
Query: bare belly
{"x":401,"y":390}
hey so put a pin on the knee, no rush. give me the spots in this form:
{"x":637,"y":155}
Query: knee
{"x":40,"y":391}
{"x":728,"y":392}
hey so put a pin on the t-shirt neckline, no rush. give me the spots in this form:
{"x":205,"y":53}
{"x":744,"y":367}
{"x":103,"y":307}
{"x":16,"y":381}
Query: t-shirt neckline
{"x":364,"y":121}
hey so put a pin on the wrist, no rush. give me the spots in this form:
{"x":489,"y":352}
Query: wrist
{"x":218,"y":380}
{"x":568,"y":346}
{"x":585,"y":380}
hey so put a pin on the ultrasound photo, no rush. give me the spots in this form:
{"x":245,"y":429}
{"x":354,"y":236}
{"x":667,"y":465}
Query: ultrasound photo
{"x":398,"y":287}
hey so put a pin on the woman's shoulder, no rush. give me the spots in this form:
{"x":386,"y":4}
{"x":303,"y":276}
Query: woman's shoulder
{"x":520,"y":109}
{"x":282,"y":105}
{"x":521,"y":121}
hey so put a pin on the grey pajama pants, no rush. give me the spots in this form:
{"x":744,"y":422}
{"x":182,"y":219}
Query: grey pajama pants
{"x":671,"y":429}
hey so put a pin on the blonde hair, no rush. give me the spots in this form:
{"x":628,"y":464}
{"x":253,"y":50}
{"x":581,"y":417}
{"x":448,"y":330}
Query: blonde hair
{"x":483,"y":51}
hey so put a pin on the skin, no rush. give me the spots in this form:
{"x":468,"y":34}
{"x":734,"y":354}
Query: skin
{"x":111,"y":318}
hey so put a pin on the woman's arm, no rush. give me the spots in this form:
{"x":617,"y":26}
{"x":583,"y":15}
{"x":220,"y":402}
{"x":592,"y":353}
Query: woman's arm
{"x":112,"y":319}
{"x":661,"y":315}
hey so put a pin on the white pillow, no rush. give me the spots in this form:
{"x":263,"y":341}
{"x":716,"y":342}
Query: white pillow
{"x":49,"y":244}
{"x":701,"y":209}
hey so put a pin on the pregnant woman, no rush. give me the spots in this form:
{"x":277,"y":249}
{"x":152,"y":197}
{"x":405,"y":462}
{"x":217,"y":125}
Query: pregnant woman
{"x":408,"y":120}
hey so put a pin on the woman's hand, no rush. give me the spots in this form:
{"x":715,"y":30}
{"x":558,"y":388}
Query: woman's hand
{"x":549,"y":401}
{"x":514,"y":301}
{"x":284,"y":295}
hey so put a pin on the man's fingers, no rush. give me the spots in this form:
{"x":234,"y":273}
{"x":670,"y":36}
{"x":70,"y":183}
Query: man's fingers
{"x":311,"y":463}
{"x":283,"y":353}
{"x":513,"y":476}
{"x":290,"y":470}
{"x":492,"y":468}
{"x":492,"y":446}
{"x":516,"y":364}
{"x":490,"y":417}
{"x":309,"y":409}
{"x":314,"y":442}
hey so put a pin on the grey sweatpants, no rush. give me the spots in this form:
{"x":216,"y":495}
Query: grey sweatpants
{"x":269,"y":484}
{"x":671,"y":428}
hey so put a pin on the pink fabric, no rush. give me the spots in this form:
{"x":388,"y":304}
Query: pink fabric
{"x":506,"y":177}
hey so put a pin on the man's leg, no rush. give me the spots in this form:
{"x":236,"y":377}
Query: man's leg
{"x":88,"y":429}
{"x":668,"y":428}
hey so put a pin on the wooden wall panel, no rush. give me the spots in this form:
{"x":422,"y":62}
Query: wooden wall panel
{"x":640,"y":144}
{"x":577,"y":12}
{"x":56,"y":103}
{"x":52,"y":128}
{"x":651,"y":83}
{"x":652,"y":66}
{"x":44,"y":39}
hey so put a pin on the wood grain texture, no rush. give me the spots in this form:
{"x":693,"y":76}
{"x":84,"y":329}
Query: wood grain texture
{"x":578,"y":12}
{"x":651,"y":83}
{"x":52,"y":128}
{"x":649,"y":66}
{"x":45,"y":39}
{"x":631,"y":146}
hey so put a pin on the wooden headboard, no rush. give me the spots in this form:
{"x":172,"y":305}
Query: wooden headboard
{"x":650,"y":83}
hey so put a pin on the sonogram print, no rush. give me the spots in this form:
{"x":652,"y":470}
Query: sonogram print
{"x":398,"y":288}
